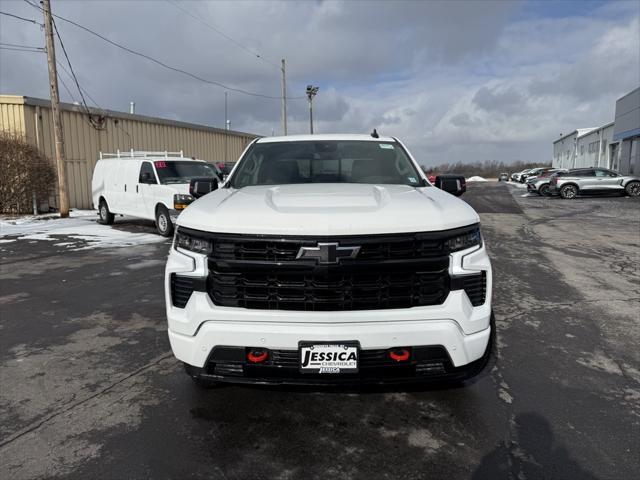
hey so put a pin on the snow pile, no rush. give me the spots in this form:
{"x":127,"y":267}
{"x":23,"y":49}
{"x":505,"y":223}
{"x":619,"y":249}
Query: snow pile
{"x":80,"y":231}
{"x":476,"y":179}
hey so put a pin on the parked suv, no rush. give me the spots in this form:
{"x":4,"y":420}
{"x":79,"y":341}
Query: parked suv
{"x":593,"y":180}
{"x":151,"y":185}
{"x":540,"y":183}
{"x":328,"y":259}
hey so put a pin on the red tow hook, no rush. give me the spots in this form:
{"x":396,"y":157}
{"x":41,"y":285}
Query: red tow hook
{"x":399,"y":354}
{"x":257,"y":355}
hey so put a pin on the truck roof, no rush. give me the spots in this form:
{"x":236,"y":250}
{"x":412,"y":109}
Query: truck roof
{"x":325,"y":137}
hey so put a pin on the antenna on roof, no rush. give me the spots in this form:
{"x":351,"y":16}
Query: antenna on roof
{"x":374,"y":134}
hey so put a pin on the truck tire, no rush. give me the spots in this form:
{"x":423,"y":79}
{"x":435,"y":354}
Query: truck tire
{"x":569,"y":192}
{"x":105,"y":216}
{"x":632,"y":189}
{"x":163,"y":221}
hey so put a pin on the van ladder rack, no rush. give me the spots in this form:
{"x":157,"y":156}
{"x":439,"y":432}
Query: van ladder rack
{"x":142,"y":154}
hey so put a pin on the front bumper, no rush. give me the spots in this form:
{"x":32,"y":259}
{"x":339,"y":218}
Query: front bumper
{"x":426,"y":363}
{"x":460,"y":329}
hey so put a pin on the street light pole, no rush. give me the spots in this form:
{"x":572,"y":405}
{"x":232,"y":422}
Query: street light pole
{"x":283,"y":85}
{"x":311,"y":92}
{"x":226,"y":126}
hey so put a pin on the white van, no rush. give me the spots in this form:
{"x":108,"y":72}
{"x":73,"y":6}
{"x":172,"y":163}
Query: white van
{"x":150,"y":185}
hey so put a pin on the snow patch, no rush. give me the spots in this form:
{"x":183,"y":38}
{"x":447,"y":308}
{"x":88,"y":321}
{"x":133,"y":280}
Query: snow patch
{"x":476,"y":178}
{"x":80,"y":231}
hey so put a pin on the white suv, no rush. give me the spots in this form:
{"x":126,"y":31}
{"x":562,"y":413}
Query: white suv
{"x":328,"y":259}
{"x":150,"y":185}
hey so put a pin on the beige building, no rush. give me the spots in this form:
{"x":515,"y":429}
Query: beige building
{"x":88,"y":134}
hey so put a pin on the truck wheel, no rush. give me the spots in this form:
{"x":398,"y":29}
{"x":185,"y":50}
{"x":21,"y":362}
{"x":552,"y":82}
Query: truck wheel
{"x":544,"y":190}
{"x":106,"y":217}
{"x":163,"y":221}
{"x":632,"y":189}
{"x":569,"y":192}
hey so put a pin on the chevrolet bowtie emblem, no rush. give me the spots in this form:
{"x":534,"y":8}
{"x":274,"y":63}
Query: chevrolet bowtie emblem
{"x":326,"y":253}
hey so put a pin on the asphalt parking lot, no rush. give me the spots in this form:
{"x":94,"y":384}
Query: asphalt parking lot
{"x":90,"y":389}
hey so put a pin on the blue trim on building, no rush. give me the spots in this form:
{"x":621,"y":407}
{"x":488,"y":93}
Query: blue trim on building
{"x":623,"y":135}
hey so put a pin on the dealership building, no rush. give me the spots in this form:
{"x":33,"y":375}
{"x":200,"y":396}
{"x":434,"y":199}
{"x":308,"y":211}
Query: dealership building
{"x":87,"y":132}
{"x":613,"y":145}
{"x":627,"y":133}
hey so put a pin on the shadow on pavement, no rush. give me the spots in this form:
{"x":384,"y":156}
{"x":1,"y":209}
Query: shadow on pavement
{"x":533,"y":454}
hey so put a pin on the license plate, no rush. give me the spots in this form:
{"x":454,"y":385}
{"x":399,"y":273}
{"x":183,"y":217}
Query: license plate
{"x":328,"y":358}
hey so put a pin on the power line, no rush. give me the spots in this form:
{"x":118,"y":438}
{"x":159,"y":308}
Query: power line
{"x":84,"y":90}
{"x":17,"y":45}
{"x":221,"y":33}
{"x":64,"y":83}
{"x":97,"y":105}
{"x":23,"y":18}
{"x":22,"y":49}
{"x":75,"y":79}
{"x":162,"y":64}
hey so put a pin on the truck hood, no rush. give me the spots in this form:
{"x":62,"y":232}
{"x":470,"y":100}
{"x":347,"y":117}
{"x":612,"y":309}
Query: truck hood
{"x":327,"y":209}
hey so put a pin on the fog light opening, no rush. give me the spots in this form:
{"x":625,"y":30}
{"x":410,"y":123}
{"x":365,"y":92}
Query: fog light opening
{"x":257,"y":355}
{"x":400,"y":354}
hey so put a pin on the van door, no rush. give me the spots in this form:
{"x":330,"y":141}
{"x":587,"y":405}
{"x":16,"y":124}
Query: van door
{"x":113,"y":184}
{"x":129,"y":188}
{"x":147,"y":184}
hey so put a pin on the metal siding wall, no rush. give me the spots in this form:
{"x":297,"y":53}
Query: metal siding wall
{"x":12,"y":119}
{"x":83,"y":142}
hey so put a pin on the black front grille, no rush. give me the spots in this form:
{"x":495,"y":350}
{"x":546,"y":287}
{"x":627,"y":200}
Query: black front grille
{"x":389,"y":271}
{"x":263,"y":249}
{"x":327,"y":289}
{"x":476,"y":288}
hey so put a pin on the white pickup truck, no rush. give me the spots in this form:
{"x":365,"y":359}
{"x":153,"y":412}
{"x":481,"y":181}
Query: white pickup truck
{"x":150,"y":185}
{"x":329,"y":259}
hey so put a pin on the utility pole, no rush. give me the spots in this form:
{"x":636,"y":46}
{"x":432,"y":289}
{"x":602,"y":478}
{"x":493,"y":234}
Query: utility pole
{"x":284,"y":99}
{"x":55,"y":110}
{"x":311,"y":92}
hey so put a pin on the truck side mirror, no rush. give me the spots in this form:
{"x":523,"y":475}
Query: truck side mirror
{"x":454,"y":186}
{"x":200,"y":186}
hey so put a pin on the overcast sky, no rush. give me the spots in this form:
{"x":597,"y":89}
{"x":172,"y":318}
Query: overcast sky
{"x":457,"y":81}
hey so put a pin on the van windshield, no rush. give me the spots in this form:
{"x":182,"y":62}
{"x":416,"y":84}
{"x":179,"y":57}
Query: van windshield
{"x":183,"y":172}
{"x":329,"y":161}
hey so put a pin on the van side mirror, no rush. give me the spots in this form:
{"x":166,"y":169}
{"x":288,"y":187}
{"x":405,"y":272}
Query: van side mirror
{"x":200,"y":186}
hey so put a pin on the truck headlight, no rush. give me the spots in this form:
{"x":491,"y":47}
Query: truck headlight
{"x":181,"y":201}
{"x":462,"y":241}
{"x":192,"y":243}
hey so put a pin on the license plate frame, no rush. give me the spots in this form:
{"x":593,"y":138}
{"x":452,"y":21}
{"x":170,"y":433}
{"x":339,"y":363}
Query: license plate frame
{"x":348,"y":346}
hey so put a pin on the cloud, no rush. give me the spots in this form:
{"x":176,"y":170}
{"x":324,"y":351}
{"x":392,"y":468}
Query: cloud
{"x":454,"y":80}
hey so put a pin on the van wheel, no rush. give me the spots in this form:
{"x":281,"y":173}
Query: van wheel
{"x":163,"y":221}
{"x":106,"y":217}
{"x":544,"y":190}
{"x":569,"y":191}
{"x":632,"y":189}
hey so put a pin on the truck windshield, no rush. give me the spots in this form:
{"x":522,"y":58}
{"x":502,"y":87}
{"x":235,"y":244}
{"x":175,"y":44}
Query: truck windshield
{"x":183,"y":172}
{"x":332,"y":161}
